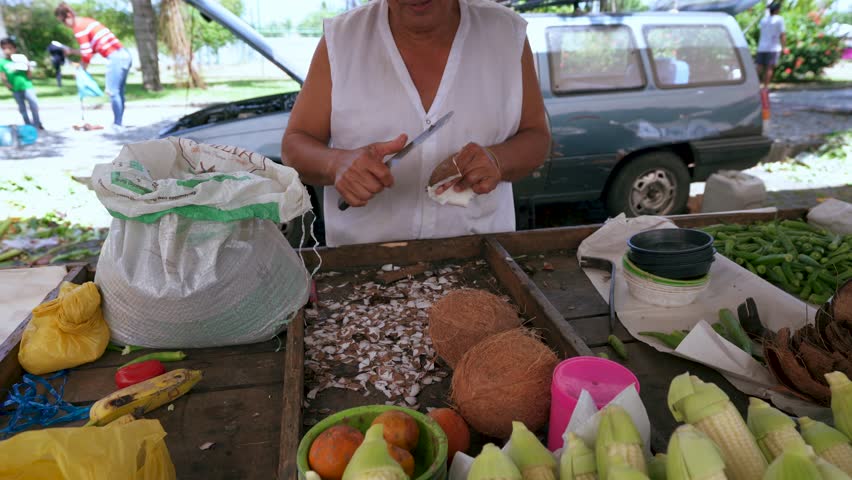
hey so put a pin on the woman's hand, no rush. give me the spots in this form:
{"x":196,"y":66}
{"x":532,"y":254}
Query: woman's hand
{"x":361,"y":173}
{"x":478,"y":168}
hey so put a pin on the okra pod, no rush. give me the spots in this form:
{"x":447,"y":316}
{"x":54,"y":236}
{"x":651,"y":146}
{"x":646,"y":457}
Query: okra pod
{"x":819,"y":299}
{"x":616,"y":345}
{"x":751,"y":268}
{"x":789,"y":275}
{"x":773,"y":259}
{"x":746,"y":255}
{"x":729,"y":247}
{"x":161,"y":356}
{"x":838,"y":259}
{"x":840,"y":250}
{"x":810,"y":261}
{"x":761,"y":269}
{"x":671,"y":340}
{"x":806,"y":291}
{"x":836,"y":242}
{"x":735,"y":330}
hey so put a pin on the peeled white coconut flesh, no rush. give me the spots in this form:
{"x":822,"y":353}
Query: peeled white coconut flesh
{"x":451,"y":196}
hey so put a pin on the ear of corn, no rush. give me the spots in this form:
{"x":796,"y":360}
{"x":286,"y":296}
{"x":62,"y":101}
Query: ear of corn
{"x":830,"y":444}
{"x":578,"y":460}
{"x":371,"y":460}
{"x":793,"y":464}
{"x":618,"y":442}
{"x":693,"y":456}
{"x":829,"y":471}
{"x":532,"y":458}
{"x":657,"y":467}
{"x":841,"y":401}
{"x":493,"y":464}
{"x":708,"y":408}
{"x":621,"y":471}
{"x":773,"y":430}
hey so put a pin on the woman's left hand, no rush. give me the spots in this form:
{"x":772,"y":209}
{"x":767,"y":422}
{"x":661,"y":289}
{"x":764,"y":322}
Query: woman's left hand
{"x":479,"y":171}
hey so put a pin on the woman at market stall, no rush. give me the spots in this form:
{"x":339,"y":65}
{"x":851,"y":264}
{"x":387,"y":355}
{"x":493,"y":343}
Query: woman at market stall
{"x":383,"y":73}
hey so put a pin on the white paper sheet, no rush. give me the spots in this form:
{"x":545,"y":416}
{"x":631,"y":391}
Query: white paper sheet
{"x":21,"y":290}
{"x":730,"y":285}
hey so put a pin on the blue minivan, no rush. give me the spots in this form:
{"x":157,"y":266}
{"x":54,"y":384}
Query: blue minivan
{"x":640,"y":105}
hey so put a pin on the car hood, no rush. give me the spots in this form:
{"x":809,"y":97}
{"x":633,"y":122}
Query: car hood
{"x":213,"y":10}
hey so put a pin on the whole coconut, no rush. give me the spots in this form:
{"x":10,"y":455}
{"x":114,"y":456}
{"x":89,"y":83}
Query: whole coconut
{"x":505,"y":377}
{"x":464,"y":317}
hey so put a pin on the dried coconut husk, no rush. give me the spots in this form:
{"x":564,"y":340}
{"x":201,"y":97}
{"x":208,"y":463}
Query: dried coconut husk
{"x":841,"y":304}
{"x":505,"y":377}
{"x":784,"y":364}
{"x":839,"y":338}
{"x":466,"y":316}
{"x":816,"y":360}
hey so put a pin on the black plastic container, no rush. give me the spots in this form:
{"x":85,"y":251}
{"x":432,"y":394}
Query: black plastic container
{"x":676,"y":253}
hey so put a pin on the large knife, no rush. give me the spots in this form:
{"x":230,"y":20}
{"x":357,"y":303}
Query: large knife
{"x":390,"y":162}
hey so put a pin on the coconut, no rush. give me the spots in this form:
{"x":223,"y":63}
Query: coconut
{"x":464,"y":317}
{"x":505,"y":377}
{"x":841,"y":303}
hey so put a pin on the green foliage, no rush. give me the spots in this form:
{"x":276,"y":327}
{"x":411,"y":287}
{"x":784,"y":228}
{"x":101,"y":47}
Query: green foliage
{"x":311,"y":26}
{"x":210,"y":34}
{"x":812,"y":50}
{"x":35,"y":27}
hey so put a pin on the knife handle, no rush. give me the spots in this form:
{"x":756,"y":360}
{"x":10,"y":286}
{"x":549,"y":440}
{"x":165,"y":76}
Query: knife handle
{"x":342,"y":205}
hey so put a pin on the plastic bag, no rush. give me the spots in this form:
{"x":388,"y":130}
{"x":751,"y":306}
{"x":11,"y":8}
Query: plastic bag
{"x":65,"y":332}
{"x":195,"y":257}
{"x":132,"y":451}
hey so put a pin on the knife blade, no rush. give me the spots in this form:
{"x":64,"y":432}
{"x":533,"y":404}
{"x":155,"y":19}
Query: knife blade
{"x":392,"y":161}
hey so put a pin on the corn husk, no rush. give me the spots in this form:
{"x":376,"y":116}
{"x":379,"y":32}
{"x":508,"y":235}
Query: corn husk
{"x":692,"y":455}
{"x":618,"y":442}
{"x":828,"y":443}
{"x":371,"y":460}
{"x":578,"y":460}
{"x":841,"y":401}
{"x":493,"y":464}
{"x":532,"y":458}
{"x":773,"y":429}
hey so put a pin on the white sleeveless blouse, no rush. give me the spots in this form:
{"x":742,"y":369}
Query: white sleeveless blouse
{"x":374,"y":100}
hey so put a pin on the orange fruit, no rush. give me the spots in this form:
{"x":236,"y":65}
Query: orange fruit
{"x":331,"y":451}
{"x":400,"y":429}
{"x":454,"y":426}
{"x":403,"y":458}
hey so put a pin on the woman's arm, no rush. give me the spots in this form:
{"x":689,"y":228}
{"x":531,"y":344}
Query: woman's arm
{"x":356,"y":174}
{"x":483,"y":167}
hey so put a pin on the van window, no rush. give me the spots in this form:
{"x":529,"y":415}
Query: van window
{"x":593,"y":58}
{"x":691,"y":55}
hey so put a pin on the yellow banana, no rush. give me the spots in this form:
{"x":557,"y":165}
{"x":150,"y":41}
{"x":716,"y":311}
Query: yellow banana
{"x":143,"y":397}
{"x":122,"y":420}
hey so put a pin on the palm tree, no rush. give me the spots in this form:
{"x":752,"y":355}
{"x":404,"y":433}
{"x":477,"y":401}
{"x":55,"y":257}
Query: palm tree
{"x":145,"y":30}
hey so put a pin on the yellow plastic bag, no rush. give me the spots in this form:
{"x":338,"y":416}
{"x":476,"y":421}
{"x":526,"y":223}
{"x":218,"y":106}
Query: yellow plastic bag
{"x":132,"y":451}
{"x":65,"y":332}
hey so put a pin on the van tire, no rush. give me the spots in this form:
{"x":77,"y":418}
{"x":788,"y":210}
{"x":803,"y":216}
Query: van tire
{"x":655,"y":183}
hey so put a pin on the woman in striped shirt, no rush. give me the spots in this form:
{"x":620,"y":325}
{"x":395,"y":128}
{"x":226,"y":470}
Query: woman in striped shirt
{"x":93,"y":38}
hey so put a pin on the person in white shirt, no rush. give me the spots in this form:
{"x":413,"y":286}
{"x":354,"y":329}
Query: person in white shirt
{"x":773,"y":40}
{"x":381,"y":74}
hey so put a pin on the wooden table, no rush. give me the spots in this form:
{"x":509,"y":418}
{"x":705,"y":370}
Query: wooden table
{"x":250,"y":403}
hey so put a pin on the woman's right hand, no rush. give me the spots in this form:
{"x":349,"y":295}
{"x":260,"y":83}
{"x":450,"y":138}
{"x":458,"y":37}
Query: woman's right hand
{"x":361,"y":173}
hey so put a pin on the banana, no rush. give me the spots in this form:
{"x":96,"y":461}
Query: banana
{"x":122,"y":420}
{"x":143,"y":397}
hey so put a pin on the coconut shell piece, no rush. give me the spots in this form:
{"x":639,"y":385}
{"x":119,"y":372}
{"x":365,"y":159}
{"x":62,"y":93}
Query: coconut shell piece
{"x":841,"y":303}
{"x":789,"y":372}
{"x":817,"y":361}
{"x":466,"y":316}
{"x":839,"y":338}
{"x":505,"y":377}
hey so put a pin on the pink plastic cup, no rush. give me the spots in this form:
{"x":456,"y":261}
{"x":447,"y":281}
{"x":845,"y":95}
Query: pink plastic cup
{"x":602,"y":378}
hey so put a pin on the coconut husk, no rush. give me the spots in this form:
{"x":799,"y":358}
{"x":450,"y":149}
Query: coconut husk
{"x":841,"y":303}
{"x":464,"y":317}
{"x":505,"y":377}
{"x":817,"y":361}
{"x":839,"y":338}
{"x":785,"y":366}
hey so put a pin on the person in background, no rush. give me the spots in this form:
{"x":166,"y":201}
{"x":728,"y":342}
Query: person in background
{"x":57,"y":59}
{"x":93,"y":38}
{"x":17,"y":77}
{"x":773,"y":40}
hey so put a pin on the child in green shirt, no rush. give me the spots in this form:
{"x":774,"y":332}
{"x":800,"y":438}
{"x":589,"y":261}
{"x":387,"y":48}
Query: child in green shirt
{"x":18,"y":79}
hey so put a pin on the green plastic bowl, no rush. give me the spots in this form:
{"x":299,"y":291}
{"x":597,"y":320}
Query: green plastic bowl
{"x":430,"y":456}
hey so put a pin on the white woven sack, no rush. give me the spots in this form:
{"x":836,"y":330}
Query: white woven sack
{"x":194,"y":257}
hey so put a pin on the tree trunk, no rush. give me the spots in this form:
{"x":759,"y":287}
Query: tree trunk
{"x":2,"y":23}
{"x":179,"y":43}
{"x":145,"y":30}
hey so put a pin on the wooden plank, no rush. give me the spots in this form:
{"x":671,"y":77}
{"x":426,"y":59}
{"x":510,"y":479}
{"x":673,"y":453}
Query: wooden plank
{"x":386,"y":278}
{"x":10,"y":368}
{"x":655,"y":371}
{"x":398,"y":253}
{"x":242,"y":423}
{"x":291,"y":418}
{"x":115,"y":359}
{"x":567,"y":287}
{"x":546,"y":239}
{"x":91,"y":384}
{"x":595,"y":330}
{"x":557,"y":332}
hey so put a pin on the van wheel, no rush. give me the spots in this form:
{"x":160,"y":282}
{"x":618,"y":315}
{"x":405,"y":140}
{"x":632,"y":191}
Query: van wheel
{"x":655,"y":183}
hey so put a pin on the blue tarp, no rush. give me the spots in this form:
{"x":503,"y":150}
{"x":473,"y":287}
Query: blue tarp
{"x":86,"y":85}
